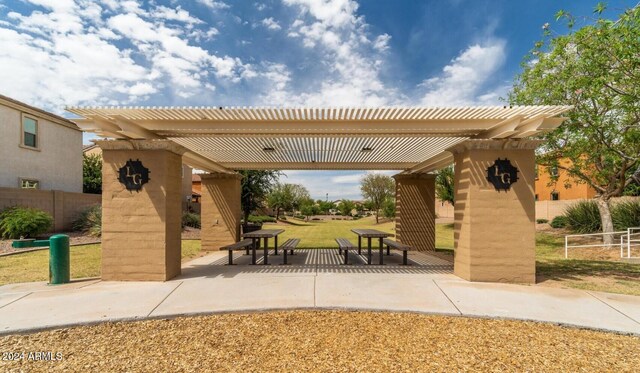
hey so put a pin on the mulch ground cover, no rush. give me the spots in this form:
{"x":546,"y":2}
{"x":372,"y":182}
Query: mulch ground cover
{"x":323,"y":341}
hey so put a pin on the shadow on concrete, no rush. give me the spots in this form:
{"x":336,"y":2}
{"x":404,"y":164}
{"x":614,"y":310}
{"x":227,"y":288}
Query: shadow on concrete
{"x":317,"y":261}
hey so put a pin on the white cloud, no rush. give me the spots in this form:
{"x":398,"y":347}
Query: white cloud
{"x":177,"y":14}
{"x":271,"y":23}
{"x":333,"y":31}
{"x":462,"y":81}
{"x":215,"y":5}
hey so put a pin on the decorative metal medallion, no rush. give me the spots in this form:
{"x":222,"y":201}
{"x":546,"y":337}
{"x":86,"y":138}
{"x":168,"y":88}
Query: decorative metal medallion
{"x":134,"y":175}
{"x":502,"y":174}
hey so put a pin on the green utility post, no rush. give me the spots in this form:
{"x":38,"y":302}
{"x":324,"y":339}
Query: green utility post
{"x":59,"y":266}
{"x":59,"y":263}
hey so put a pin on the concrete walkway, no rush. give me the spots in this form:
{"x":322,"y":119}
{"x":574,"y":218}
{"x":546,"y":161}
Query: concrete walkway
{"x":316,"y":281}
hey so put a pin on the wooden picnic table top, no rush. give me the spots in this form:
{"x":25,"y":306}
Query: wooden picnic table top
{"x":263,"y":233}
{"x":373,"y":233}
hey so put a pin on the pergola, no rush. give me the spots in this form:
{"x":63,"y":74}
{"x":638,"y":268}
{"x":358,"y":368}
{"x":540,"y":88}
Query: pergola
{"x":415,"y":140}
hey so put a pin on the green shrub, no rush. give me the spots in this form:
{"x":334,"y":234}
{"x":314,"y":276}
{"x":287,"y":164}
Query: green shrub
{"x":189,"y":219}
{"x":626,"y":214}
{"x":542,"y":221}
{"x":16,"y":222}
{"x":89,"y":221}
{"x":559,"y":222}
{"x":261,"y":219}
{"x":583,"y":217}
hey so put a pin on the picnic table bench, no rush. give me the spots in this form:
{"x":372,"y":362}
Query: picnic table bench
{"x":289,"y":245}
{"x":397,"y":246}
{"x":346,"y":245}
{"x":241,"y":245}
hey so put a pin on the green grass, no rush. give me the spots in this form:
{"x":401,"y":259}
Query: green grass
{"x":322,"y":234}
{"x":596,"y":275}
{"x":85,"y":262}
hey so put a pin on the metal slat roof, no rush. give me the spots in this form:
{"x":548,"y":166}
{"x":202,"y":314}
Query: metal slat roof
{"x":318,"y":137}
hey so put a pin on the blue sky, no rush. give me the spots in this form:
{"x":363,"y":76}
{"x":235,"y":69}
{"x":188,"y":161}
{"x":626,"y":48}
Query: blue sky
{"x":281,"y":53}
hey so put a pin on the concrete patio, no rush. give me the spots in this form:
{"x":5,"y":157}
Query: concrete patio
{"x":316,"y":280}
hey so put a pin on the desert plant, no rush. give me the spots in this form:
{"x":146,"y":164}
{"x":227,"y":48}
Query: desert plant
{"x":626,"y":214}
{"x":89,"y":221}
{"x":559,"y":222}
{"x":17,"y":222}
{"x":542,"y":221}
{"x":189,"y":219}
{"x":583,"y":217}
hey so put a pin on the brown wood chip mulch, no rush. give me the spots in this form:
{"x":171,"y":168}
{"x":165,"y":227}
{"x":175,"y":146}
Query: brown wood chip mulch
{"x":312,"y":341}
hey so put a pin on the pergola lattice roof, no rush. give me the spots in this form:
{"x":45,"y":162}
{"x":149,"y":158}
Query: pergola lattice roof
{"x":409,"y":138}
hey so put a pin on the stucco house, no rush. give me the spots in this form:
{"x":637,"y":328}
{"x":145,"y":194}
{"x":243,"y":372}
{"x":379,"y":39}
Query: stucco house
{"x":38,"y":149}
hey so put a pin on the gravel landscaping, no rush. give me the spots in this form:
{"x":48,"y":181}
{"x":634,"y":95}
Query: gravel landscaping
{"x":325,"y":341}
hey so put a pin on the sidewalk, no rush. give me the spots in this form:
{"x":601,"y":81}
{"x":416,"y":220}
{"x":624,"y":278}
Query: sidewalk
{"x":207,"y":287}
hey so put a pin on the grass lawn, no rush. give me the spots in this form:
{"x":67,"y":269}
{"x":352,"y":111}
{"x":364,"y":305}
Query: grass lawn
{"x":322,"y":234}
{"x":598,"y":275}
{"x":85,"y":262}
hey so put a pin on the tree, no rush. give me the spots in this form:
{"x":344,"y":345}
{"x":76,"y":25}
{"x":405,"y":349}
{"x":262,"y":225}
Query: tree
{"x":346,"y":206}
{"x":377,"y":188}
{"x":389,"y":208}
{"x":92,"y":174}
{"x":596,"y":69}
{"x":325,"y":206}
{"x":288,"y":197}
{"x":444,"y":185}
{"x":256,"y":185}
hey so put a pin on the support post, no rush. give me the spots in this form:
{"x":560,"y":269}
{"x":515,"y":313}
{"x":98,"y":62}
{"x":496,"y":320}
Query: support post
{"x":220,"y":210}
{"x":415,"y":211}
{"x":494,"y":229}
{"x":141,"y":229}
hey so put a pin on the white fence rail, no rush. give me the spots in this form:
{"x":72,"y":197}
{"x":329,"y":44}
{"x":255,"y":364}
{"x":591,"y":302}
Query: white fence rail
{"x":628,"y":239}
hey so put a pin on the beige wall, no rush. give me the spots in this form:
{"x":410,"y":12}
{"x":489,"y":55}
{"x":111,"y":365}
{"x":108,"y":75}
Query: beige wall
{"x":141,"y":230}
{"x":550,"y":209}
{"x":494,"y":231}
{"x":63,"y":206}
{"x":57,"y":164}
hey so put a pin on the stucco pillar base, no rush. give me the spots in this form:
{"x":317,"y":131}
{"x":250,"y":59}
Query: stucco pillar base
{"x":415,"y":211}
{"x":494,"y":230}
{"x":221,"y":213}
{"x":141,"y":230}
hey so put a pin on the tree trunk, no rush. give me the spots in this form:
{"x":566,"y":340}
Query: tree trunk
{"x":377,"y":211}
{"x":277,"y":213}
{"x":605,"y":219}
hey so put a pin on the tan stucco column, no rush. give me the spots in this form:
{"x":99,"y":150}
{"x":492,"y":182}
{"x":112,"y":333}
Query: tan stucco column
{"x":141,"y":229}
{"x":221,"y":214}
{"x":494,"y":229}
{"x":415,"y":211}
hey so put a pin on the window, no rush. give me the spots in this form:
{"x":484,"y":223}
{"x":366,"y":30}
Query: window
{"x":555,"y":196}
{"x":536,"y":197}
{"x":29,"y":132}
{"x":536,"y":171}
{"x":29,"y":184}
{"x":554,"y":171}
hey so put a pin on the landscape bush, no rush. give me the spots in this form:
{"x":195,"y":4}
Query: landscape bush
{"x":542,"y":221}
{"x":583,"y":217}
{"x":626,"y":214}
{"x":261,"y":219}
{"x":189,"y":219}
{"x":25,"y":222}
{"x":559,"y":222}
{"x":89,"y":221}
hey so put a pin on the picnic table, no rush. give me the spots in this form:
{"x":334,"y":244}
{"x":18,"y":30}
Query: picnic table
{"x":264,"y":234}
{"x":369,"y":234}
